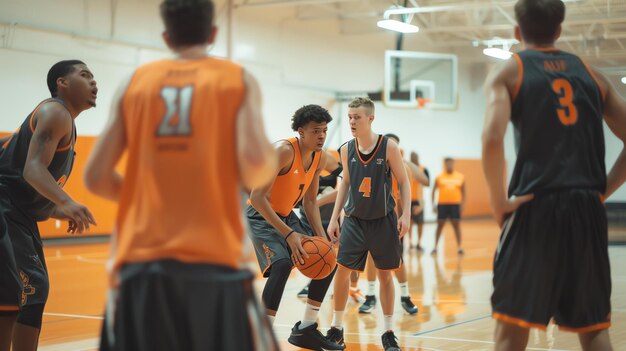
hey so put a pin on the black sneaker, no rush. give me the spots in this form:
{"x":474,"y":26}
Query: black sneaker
{"x":336,"y":335}
{"x":408,"y":305}
{"x":390,"y":342}
{"x":304,"y":292}
{"x":311,"y":338}
{"x":368,"y":305}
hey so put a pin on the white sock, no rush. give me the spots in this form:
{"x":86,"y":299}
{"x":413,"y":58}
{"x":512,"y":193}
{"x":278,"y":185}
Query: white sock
{"x":389,"y":322}
{"x":337,"y":320}
{"x":271,"y":318}
{"x":310,"y":315}
{"x":371,"y":288}
{"x":404,"y":289}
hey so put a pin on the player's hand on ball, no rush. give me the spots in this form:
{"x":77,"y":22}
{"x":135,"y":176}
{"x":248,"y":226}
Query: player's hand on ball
{"x":298,"y":255}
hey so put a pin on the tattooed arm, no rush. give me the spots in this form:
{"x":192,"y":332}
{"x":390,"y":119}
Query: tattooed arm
{"x":53,"y":128}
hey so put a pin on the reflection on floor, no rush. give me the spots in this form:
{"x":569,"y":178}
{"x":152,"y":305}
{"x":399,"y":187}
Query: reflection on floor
{"x":451,"y":291}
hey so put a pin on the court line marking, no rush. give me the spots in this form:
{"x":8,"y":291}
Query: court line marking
{"x":80,"y":258}
{"x":415,"y":336}
{"x":80,"y":316}
{"x":60,"y":257}
{"x":454,"y":325}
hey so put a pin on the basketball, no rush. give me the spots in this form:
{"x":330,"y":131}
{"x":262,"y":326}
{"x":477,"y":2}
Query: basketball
{"x":321,"y":261}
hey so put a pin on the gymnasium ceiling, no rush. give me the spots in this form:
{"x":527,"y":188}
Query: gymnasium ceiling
{"x":594,"y":29}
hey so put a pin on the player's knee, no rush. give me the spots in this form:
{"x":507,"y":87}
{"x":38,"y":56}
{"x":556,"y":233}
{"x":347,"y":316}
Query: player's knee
{"x":31,"y":315}
{"x":318,"y":288}
{"x":273,"y":291}
{"x":282,"y":268}
{"x":384,"y":277}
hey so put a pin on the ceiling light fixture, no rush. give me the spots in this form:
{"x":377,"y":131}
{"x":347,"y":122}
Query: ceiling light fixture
{"x":398,"y":26}
{"x":402,"y":26}
{"x":498,"y":53}
{"x":623,"y":80}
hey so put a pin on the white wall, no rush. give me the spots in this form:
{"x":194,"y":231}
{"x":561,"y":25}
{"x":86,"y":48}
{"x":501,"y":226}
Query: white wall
{"x":296,"y":63}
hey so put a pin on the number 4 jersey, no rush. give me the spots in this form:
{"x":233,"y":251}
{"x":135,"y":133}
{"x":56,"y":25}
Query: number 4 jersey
{"x":557,"y":117}
{"x":370,"y":195}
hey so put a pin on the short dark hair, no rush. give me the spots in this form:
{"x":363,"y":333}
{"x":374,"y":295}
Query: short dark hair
{"x":448,"y":159}
{"x":309,"y":113}
{"x":393,"y":136}
{"x":188,"y":22}
{"x":58,"y":70}
{"x":539,"y":20}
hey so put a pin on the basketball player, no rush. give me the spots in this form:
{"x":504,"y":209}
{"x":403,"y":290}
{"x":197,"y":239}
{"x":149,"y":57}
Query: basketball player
{"x":552,"y":260}
{"x":277,"y":232}
{"x":417,"y":202}
{"x":405,"y":298}
{"x":327,"y":194}
{"x":35,"y":163}
{"x":371,"y":225}
{"x":191,"y":127}
{"x":450,"y":203}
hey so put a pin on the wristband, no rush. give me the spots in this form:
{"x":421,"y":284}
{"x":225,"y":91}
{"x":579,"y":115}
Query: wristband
{"x":291,"y":232}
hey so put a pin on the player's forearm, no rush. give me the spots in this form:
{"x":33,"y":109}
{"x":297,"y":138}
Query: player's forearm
{"x":40,"y":178}
{"x":328,"y":198}
{"x":262,"y":205}
{"x":312,"y":212}
{"x":617,"y":175}
{"x":342,"y":193}
{"x":109,"y":187}
{"x":260,"y":167}
{"x":493,"y":167}
{"x":405,"y":194}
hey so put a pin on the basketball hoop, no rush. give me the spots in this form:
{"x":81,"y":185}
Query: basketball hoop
{"x":421,"y":102}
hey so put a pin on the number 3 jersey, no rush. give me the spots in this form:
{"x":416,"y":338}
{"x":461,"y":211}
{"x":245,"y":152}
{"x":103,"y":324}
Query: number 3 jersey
{"x":557,"y":109}
{"x":370,"y":195}
{"x":181,"y":193}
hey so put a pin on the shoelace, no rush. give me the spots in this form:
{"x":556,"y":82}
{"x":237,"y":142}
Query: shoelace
{"x":390,"y":340}
{"x":334,"y":335}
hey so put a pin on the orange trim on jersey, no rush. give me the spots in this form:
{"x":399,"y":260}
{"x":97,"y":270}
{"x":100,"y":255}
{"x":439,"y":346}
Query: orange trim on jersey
{"x":4,"y":146}
{"x":358,"y":153}
{"x":32,"y":127}
{"x":545,"y":49}
{"x":519,"y":322}
{"x":588,"y":329}
{"x":352,"y":269}
{"x":520,"y":77}
{"x":8,"y":308}
{"x":32,"y":115}
{"x":65,"y":148}
{"x":595,"y":79}
{"x":388,"y":270}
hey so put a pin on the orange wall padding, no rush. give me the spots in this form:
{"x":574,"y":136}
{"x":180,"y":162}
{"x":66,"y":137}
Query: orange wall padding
{"x":103,"y":210}
{"x":476,"y":190}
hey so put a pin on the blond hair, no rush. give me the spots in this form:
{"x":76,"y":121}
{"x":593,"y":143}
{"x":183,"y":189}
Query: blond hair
{"x":363,"y":102}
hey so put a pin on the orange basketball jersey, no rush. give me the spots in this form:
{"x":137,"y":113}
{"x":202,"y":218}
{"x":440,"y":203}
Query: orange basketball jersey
{"x":181,"y":194}
{"x":395,"y":189}
{"x":450,"y":185}
{"x":417,"y":193}
{"x":289,"y":188}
